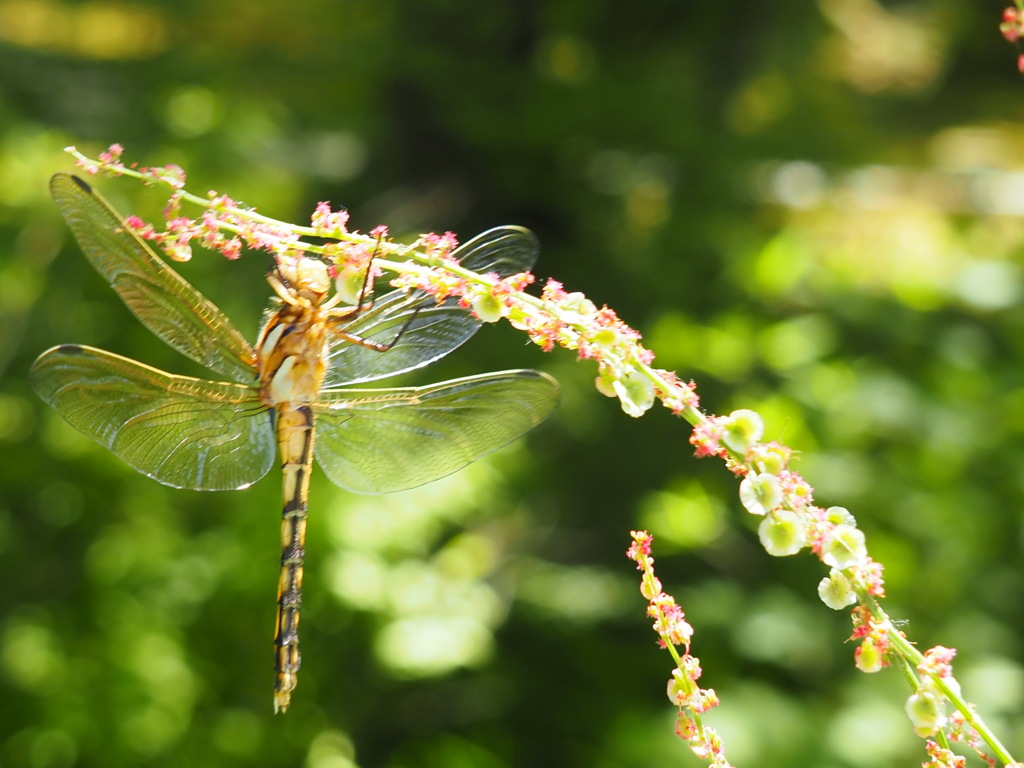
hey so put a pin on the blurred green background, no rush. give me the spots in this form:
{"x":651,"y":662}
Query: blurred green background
{"x":812,"y":209}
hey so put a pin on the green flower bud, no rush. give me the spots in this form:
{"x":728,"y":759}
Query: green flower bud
{"x":773,"y":459}
{"x":650,"y":585}
{"x":606,"y":338}
{"x":605,"y":382}
{"x":925,"y":712}
{"x":349,"y":284}
{"x":680,"y":688}
{"x":580,"y":304}
{"x":782,"y":533}
{"x":836,"y":591}
{"x":743,"y":428}
{"x":869,"y":657}
{"x":846,"y":548}
{"x":838,"y":515}
{"x":636,"y":393}
{"x":488,"y":308}
{"x":761,"y":493}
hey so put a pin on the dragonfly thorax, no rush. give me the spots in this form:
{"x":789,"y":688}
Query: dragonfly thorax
{"x":291,"y":351}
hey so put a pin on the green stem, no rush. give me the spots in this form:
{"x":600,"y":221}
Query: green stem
{"x":907,"y":651}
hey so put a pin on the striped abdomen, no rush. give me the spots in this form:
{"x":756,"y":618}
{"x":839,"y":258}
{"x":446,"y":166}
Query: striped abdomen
{"x":295,"y":443}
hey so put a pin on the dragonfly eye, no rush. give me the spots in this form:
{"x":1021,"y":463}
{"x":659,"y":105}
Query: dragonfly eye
{"x":306,"y":277}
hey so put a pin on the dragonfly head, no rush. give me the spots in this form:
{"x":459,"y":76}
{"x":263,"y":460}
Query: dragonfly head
{"x":305,"y":278}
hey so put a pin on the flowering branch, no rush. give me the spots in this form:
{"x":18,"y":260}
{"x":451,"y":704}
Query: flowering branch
{"x":769,"y":489}
{"x":673,"y":630}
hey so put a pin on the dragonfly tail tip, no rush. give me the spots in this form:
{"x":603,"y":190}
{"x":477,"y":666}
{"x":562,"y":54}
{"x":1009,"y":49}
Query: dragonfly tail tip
{"x":281,"y":701}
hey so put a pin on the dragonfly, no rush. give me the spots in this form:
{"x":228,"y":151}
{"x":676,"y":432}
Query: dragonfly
{"x":291,"y":394}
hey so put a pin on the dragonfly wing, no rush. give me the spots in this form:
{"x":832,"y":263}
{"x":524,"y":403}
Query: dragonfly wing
{"x":384,"y":440}
{"x":183,"y":432}
{"x":435,"y":329}
{"x":161,"y":298}
{"x":506,"y":250}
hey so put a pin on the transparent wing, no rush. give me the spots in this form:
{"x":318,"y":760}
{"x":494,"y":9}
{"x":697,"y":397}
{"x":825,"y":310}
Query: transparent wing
{"x":384,"y":440}
{"x":436,"y":329}
{"x":162,"y":300}
{"x":184,"y":432}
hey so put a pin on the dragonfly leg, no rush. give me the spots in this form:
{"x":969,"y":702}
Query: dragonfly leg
{"x":377,"y":345}
{"x":362,"y":305}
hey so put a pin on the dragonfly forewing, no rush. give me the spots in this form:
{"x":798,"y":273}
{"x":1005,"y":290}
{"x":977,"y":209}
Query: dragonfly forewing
{"x":157,"y":295}
{"x":505,"y":250}
{"x":183,"y":432}
{"x":385,"y":440}
{"x":422,"y":329}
